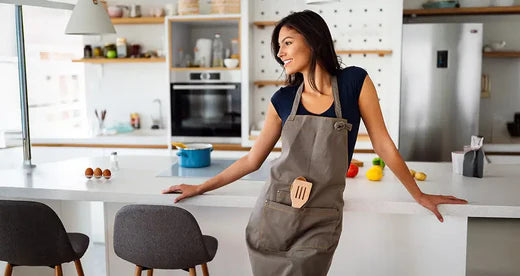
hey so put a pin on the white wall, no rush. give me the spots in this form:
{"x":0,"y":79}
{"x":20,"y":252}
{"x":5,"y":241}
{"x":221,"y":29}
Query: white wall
{"x":503,"y":73}
{"x":351,"y":23}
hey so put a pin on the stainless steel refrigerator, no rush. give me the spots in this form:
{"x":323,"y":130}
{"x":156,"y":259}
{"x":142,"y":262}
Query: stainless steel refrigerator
{"x":440,"y":89}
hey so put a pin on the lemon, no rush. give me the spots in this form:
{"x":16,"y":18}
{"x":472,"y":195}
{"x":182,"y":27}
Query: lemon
{"x":375,"y":173}
{"x":412,"y":172}
{"x":420,"y":176}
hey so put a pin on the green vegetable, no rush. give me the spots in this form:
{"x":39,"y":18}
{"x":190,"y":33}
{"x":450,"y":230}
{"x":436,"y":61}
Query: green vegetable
{"x":379,"y":162}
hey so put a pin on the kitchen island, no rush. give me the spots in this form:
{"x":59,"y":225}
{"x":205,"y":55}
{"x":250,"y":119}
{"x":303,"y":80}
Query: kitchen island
{"x":385,"y":232}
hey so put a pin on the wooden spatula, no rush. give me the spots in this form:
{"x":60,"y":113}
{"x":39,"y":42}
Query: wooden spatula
{"x":300,"y":191}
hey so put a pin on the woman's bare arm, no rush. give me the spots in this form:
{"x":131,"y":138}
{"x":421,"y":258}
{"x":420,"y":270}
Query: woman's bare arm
{"x":381,"y":141}
{"x":251,"y":162}
{"x":385,"y":148}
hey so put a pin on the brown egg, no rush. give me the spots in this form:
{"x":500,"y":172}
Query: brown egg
{"x":97,"y":173}
{"x":89,"y":172}
{"x":107,"y":174}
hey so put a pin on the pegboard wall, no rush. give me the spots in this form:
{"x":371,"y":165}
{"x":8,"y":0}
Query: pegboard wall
{"x":354,"y":25}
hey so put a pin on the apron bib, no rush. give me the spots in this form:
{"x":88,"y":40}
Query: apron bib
{"x":283,"y":240}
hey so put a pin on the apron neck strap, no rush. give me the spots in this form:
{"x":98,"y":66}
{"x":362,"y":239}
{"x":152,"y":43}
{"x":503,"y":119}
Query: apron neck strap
{"x":335,"y":93}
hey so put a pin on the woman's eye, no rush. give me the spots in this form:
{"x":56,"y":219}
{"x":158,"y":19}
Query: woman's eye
{"x":288,"y":43}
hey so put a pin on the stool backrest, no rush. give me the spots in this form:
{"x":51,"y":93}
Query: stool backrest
{"x":161,"y":237}
{"x":32,"y":234}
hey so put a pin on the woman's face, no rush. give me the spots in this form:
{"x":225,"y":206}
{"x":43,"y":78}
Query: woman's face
{"x":294,"y":51}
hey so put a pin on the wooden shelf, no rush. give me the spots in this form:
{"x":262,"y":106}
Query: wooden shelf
{"x":202,"y":68}
{"x":118,"y":60}
{"x":137,"y":20}
{"x":262,"y":24}
{"x":463,"y":11}
{"x":503,"y":54}
{"x":204,"y":18}
{"x":380,"y":53}
{"x":269,"y":82}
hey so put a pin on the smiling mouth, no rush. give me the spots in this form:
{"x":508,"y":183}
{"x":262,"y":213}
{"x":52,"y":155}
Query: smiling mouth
{"x":286,"y":62}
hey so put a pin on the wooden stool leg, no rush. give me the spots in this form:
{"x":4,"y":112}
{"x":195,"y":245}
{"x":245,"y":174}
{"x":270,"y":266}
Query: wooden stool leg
{"x":58,"y":271}
{"x":138,"y":270}
{"x":8,"y":270}
{"x":205,"y":269}
{"x":193,"y":272}
{"x":79,"y":268}
{"x":150,"y":272}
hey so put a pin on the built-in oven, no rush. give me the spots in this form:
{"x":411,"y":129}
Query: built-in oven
{"x":205,"y":106}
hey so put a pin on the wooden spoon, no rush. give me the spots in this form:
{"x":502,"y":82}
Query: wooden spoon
{"x":179,"y":145}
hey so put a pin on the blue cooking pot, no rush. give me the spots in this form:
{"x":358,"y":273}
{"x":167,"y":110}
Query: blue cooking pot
{"x":195,"y":155}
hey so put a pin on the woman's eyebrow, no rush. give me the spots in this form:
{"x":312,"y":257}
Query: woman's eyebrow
{"x":285,"y":39}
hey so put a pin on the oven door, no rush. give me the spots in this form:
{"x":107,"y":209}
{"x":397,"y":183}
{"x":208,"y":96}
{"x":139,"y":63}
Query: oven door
{"x":205,"y":110}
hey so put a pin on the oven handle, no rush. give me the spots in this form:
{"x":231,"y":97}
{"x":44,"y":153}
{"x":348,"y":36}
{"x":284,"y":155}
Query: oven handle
{"x":198,"y":87}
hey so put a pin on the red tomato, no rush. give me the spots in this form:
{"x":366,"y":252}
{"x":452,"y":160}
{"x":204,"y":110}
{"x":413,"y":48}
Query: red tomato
{"x":352,"y":170}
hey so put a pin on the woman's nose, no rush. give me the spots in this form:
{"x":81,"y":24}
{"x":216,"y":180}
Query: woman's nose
{"x":280,"y":53}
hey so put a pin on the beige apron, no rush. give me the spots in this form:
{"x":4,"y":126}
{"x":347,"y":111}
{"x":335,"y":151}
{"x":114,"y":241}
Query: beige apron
{"x":283,"y":240}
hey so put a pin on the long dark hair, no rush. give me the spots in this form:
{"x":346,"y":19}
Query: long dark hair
{"x":317,"y":36}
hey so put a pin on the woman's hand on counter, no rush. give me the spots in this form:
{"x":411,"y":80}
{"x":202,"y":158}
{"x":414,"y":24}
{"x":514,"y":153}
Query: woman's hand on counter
{"x":430,"y":202}
{"x":184,"y":189}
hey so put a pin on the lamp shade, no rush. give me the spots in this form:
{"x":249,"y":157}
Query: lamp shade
{"x":89,"y":18}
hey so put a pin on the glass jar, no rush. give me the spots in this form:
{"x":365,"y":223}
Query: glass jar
{"x":121,"y":47}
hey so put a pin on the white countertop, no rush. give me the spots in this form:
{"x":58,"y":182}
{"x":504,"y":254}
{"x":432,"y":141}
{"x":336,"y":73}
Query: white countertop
{"x":136,"y":137}
{"x":496,"y":195}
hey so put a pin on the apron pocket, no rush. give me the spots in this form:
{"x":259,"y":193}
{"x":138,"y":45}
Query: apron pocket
{"x":283,"y":227}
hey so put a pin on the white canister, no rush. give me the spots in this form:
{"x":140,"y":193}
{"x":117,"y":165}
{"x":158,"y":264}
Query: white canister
{"x":203,"y":52}
{"x":457,"y":161}
{"x":170,"y":9}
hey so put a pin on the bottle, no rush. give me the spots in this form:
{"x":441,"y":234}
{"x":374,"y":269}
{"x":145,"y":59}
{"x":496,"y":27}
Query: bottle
{"x":121,"y":47}
{"x":87,"y":51}
{"x":180,"y":61}
{"x":218,"y":52}
{"x":114,"y":164}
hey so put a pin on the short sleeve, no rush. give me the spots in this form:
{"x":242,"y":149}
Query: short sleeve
{"x":277,"y":100}
{"x":358,"y":76}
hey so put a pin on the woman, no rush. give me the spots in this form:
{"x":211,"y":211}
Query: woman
{"x":316,"y":145}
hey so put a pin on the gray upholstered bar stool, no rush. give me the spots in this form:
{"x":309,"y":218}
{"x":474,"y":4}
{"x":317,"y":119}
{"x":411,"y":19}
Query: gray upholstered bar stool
{"x":161,"y":237}
{"x":31,"y":234}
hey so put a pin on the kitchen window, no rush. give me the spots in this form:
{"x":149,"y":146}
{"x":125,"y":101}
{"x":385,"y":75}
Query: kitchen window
{"x":55,"y":85}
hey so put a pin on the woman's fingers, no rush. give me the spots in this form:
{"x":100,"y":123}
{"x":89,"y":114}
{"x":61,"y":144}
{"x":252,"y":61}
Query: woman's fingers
{"x":171,"y":189}
{"x":437,"y":213}
{"x":455,"y":200}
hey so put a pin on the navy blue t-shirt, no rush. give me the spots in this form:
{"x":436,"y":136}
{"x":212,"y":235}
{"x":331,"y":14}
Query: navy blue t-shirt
{"x":350,"y":82}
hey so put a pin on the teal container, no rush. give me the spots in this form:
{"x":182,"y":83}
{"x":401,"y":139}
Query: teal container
{"x":195,"y":155}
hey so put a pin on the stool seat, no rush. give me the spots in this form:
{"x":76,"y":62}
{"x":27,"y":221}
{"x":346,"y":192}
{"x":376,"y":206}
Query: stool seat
{"x":161,"y":237}
{"x":31,"y":234}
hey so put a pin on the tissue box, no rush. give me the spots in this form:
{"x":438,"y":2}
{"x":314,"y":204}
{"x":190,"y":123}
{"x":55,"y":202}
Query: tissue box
{"x":473,"y":163}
